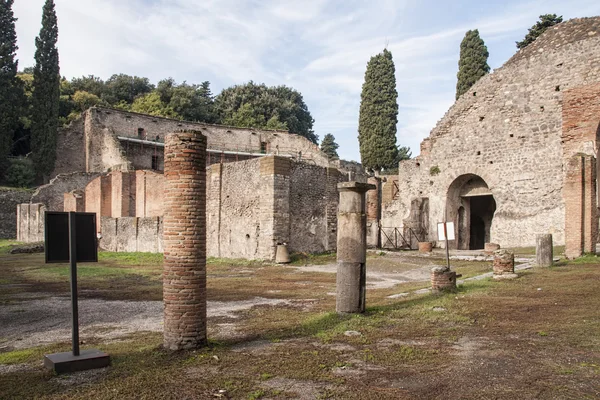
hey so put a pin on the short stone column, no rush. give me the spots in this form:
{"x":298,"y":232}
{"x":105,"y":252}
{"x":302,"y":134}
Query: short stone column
{"x":425,"y":247}
{"x":504,"y":264}
{"x":543,"y":250}
{"x":442,"y":279}
{"x":352,"y":247}
{"x":184,"y":278}
{"x":490,"y":248}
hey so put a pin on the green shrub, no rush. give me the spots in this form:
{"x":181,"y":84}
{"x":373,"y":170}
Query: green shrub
{"x":20,"y":173}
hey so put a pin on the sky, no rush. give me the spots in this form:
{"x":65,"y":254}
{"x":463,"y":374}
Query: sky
{"x":318,"y":47}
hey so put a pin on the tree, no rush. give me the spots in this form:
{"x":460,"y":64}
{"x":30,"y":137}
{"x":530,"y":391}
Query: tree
{"x":151,"y":104}
{"x":46,"y":94}
{"x":545,"y":22}
{"x":124,"y":88}
{"x":258,"y":104}
{"x":378,"y":114}
{"x":11,"y":87}
{"x":404,"y":153}
{"x":472,"y":64}
{"x":329,"y":146}
{"x":191,"y":102}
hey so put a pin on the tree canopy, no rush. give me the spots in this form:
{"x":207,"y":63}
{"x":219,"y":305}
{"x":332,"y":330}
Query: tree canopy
{"x":472,"y":64}
{"x":545,"y":22}
{"x":256,"y":105}
{"x":378,"y":114}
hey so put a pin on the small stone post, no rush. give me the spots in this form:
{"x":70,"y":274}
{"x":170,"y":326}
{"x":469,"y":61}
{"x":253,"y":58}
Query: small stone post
{"x":504,"y":265}
{"x":352,"y":247}
{"x":543,"y":250}
{"x":443,"y":278}
{"x":184,"y":278}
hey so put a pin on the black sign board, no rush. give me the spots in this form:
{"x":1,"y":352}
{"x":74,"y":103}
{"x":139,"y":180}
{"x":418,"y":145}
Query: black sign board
{"x":57,"y":236}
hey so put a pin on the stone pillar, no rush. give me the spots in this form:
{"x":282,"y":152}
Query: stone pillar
{"x":184,"y":278}
{"x":581,"y":214}
{"x":504,"y":264}
{"x":425,"y":247}
{"x":352,"y":247}
{"x":443,"y":278}
{"x":490,"y":248}
{"x":543,"y":250}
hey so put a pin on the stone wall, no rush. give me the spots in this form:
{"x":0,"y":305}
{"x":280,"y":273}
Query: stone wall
{"x":233,"y":209}
{"x":254,"y":205}
{"x":313,"y":201}
{"x":507,"y":130}
{"x":9,"y":200}
{"x":94,"y":140}
{"x":30,"y":217}
{"x":132,"y":234}
{"x":52,"y":194}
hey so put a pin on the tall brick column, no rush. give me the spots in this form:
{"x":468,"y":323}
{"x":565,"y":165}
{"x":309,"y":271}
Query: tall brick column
{"x":184,"y":278}
{"x":352,"y":247}
{"x":581,"y":214}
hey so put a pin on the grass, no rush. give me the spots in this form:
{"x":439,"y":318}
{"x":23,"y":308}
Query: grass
{"x":529,"y":342}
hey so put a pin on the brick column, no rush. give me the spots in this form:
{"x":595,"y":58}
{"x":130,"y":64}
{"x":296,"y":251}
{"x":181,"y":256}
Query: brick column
{"x":352,"y":248}
{"x":581,"y":215}
{"x":184,"y":278}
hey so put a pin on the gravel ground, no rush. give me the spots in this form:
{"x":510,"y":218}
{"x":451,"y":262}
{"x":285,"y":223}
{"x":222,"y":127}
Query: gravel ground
{"x":47,"y":319}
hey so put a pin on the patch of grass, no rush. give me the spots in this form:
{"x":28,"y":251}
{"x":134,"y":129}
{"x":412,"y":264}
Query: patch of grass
{"x":313,"y":259}
{"x":138,"y":259}
{"x":7,"y":244}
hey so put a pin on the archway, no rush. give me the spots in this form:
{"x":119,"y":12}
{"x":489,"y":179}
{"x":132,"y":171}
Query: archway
{"x":471,"y":206}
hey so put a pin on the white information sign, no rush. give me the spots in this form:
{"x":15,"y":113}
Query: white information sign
{"x":449,"y":229}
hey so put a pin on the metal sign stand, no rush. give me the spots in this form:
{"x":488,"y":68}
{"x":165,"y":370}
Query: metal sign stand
{"x":447,"y":250}
{"x":75,"y":360}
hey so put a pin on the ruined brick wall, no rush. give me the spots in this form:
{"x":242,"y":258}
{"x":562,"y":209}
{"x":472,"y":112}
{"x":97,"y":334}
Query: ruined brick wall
{"x":507,"y":130}
{"x":71,"y":148}
{"x":149,"y":195}
{"x":52,"y":194}
{"x":233,"y":209}
{"x":313,"y":205}
{"x":9,"y":200}
{"x":254,"y":205}
{"x":100,"y":127}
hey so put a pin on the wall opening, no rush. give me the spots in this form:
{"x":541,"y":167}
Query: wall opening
{"x":471,"y":206}
{"x":155,"y":164}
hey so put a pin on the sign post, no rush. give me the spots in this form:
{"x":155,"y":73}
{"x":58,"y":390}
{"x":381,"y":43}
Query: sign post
{"x":71,"y":237}
{"x":446,"y":232}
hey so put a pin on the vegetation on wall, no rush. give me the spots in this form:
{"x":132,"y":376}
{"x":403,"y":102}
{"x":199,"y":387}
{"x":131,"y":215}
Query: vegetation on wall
{"x":378,"y":114}
{"x":472,"y":64}
{"x":545,"y":22}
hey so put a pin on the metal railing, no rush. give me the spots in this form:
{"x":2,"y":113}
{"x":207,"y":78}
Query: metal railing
{"x":401,"y":238}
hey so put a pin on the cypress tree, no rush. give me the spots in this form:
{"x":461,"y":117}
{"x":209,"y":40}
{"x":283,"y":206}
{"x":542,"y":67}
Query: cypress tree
{"x":378,"y":114}
{"x":46,"y":94}
{"x":472,"y":64}
{"x":545,"y":22}
{"x":329,"y":146}
{"x":11,"y":88}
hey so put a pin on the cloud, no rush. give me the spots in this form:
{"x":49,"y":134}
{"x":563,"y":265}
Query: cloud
{"x":320,"y":47}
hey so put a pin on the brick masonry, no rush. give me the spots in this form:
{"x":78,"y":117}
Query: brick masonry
{"x":504,"y":262}
{"x":184,"y":279}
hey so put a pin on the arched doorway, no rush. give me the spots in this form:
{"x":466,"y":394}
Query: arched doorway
{"x":470,"y":205}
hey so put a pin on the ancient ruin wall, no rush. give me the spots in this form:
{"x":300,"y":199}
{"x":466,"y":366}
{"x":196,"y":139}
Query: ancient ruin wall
{"x":312,"y":190}
{"x":233,"y":209}
{"x":507,"y":130}
{"x":9,"y":200}
{"x":93,"y":138}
